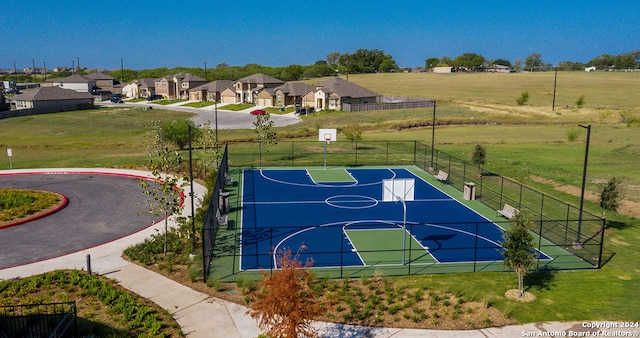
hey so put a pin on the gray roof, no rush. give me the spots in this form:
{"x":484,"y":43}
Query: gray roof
{"x":295,"y":88}
{"x":182,"y":76}
{"x":260,"y":78}
{"x":215,"y":86}
{"x":51,"y":94}
{"x":75,"y":78}
{"x":100,"y":76}
{"x":345,"y":88}
{"x":146,"y":82}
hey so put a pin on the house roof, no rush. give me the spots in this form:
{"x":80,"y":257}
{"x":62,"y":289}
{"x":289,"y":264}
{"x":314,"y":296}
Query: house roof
{"x":75,"y":78}
{"x":215,"y":86}
{"x":344,"y":88}
{"x":260,"y":78}
{"x":100,"y":76}
{"x":51,"y":94}
{"x":146,"y":82}
{"x":295,"y":88}
{"x":182,"y":76}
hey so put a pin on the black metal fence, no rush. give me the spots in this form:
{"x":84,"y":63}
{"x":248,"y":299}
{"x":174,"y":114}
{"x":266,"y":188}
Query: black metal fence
{"x":560,"y":222}
{"x":390,"y":102}
{"x":39,"y":320}
{"x":557,"y":222}
{"x":214,"y":214}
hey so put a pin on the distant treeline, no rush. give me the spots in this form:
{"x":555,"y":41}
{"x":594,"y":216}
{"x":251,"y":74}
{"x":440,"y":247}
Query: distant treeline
{"x":361,"y":61}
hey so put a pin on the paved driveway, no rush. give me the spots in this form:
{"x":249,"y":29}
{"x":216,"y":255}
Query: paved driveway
{"x":226,"y":119}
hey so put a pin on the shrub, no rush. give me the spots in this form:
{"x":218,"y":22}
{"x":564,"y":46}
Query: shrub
{"x":524,"y":97}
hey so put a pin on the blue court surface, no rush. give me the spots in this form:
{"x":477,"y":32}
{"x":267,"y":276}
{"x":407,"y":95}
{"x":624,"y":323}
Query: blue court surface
{"x":286,"y":209}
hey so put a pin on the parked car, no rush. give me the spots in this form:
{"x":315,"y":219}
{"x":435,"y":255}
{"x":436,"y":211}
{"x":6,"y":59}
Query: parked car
{"x":154,"y":97}
{"x":258,"y":112}
{"x":117,"y":98}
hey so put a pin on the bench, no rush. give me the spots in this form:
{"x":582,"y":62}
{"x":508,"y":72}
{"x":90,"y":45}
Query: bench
{"x":222,"y":219}
{"x":508,"y":211}
{"x":442,"y":176}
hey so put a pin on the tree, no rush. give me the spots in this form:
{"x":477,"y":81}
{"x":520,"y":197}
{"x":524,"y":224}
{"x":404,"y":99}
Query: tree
{"x":207,"y":146}
{"x":502,"y":62}
{"x":519,"y":250}
{"x":332,"y":58}
{"x":610,"y":196}
{"x":469,"y":61}
{"x":264,"y":131}
{"x":533,"y":61}
{"x":479,"y":156}
{"x":286,"y":303}
{"x":177,"y":131}
{"x":429,"y":63}
{"x":164,"y":192}
{"x":353,"y":133}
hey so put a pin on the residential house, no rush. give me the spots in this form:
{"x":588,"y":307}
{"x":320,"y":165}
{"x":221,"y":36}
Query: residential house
{"x":211,"y":91}
{"x":177,"y":85}
{"x":293,"y":94}
{"x":51,"y":100}
{"x":248,"y":87}
{"x":106,"y":84}
{"x":498,"y":69}
{"x":144,"y":87}
{"x":76,"y":82}
{"x":333,"y":93}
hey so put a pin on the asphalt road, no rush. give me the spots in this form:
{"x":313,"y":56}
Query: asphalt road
{"x":101,"y":208}
{"x":226,"y":119}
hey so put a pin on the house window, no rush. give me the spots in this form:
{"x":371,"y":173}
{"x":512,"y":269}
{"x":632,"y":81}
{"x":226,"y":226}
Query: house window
{"x":279,"y":99}
{"x":164,"y":83}
{"x":185,"y":85}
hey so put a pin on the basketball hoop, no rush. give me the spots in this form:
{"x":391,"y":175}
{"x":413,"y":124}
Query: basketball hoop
{"x":327,"y":138}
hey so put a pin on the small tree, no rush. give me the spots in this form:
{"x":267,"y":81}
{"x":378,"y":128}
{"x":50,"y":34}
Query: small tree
{"x":285,"y":303}
{"x":208,"y":148}
{"x":264,"y":131}
{"x":164,"y":194}
{"x":519,"y":250}
{"x":524,"y":97}
{"x":610,"y":196}
{"x":353,"y":133}
{"x":479,"y":156}
{"x":177,"y":132}
{"x":580,"y":102}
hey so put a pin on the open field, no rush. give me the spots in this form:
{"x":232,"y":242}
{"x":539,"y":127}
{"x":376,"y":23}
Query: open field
{"x":528,"y":143}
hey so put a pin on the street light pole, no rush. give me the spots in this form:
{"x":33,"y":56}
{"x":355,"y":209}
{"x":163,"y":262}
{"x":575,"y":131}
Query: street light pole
{"x":577,"y":244}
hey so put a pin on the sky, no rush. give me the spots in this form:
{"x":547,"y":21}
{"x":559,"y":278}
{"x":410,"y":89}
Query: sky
{"x":151,"y":34}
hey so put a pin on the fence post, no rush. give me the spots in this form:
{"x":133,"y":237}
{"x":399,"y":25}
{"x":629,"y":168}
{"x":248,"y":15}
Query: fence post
{"x":604,"y":224}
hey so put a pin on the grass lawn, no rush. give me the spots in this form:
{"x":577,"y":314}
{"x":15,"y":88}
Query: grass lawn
{"x":523,"y":142}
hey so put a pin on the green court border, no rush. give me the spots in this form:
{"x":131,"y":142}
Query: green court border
{"x":331,"y":175}
{"x":225,"y":263}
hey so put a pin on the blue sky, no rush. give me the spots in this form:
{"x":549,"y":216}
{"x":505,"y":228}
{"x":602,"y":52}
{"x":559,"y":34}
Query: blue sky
{"x":151,"y":34}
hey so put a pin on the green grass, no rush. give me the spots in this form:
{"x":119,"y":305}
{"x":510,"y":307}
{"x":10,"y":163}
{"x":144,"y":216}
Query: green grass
{"x":523,"y":143}
{"x":168,"y":102}
{"x":199,"y":104}
{"x":238,"y":106}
